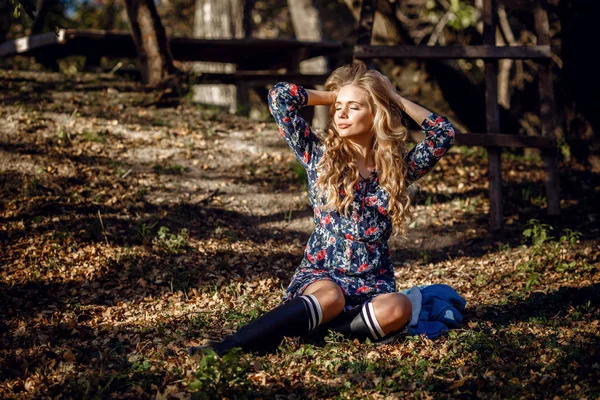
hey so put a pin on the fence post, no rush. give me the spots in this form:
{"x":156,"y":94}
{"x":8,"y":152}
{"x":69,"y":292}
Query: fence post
{"x":550,"y":156}
{"x":492,"y":117}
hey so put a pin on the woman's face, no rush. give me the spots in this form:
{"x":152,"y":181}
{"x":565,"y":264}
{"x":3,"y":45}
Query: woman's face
{"x":353,"y":117}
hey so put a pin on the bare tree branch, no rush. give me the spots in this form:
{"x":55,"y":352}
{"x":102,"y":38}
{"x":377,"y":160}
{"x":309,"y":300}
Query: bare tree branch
{"x":439,"y":28}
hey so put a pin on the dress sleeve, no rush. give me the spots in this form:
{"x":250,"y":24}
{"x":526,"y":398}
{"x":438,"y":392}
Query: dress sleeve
{"x":439,"y":137}
{"x":285,"y":99}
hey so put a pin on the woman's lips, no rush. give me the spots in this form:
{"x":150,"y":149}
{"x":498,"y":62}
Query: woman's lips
{"x":343,"y":126}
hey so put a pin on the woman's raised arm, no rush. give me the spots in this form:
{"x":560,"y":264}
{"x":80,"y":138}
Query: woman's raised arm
{"x":285,"y":99}
{"x":320,"y":97}
{"x":439,"y":137}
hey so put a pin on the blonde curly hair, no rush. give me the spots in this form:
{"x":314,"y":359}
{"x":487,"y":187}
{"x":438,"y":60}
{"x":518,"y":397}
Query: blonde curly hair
{"x":338,"y":171}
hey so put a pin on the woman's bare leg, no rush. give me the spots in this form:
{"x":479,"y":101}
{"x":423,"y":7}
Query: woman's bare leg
{"x":385,"y":314}
{"x":392,"y":310}
{"x":330,"y":297}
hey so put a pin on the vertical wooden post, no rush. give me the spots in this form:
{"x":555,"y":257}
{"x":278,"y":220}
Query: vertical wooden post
{"x":242,"y":98}
{"x":550,"y":156}
{"x":365,"y":23}
{"x":492,"y":117}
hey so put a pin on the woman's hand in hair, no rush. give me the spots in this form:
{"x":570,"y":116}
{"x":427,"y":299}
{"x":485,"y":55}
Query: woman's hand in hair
{"x":394,"y":95}
{"x":413,"y":110}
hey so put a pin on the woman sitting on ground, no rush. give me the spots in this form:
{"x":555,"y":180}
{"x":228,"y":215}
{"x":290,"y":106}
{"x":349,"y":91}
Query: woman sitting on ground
{"x":358,"y":177}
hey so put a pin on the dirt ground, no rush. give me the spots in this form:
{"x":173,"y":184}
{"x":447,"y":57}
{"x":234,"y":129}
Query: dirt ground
{"x":130,"y":230}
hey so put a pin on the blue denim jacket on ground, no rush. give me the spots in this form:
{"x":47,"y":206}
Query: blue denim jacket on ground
{"x":436,"y":309}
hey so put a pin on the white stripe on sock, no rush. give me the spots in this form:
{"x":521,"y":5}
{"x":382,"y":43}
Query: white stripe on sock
{"x":375,"y":322}
{"x":318,"y":309}
{"x":365,"y":317}
{"x":311,"y":313}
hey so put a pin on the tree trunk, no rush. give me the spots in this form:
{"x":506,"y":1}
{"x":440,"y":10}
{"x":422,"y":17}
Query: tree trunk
{"x":307,"y":26}
{"x":40,"y":17}
{"x":150,"y":40}
{"x":109,"y":16}
{"x":218,"y":19}
{"x":387,"y":30}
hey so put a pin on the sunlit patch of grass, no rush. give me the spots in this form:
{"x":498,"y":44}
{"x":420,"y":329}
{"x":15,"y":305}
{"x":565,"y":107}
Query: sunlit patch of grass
{"x":173,"y":243}
{"x":549,"y":252}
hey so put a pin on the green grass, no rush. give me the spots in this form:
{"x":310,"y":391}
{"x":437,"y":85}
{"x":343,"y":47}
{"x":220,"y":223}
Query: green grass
{"x":173,"y":243}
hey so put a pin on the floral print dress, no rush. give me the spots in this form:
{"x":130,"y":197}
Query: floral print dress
{"x":350,"y":250}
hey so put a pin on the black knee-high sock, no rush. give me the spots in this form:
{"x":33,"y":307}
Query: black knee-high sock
{"x":358,"y":323}
{"x":294,"y":318}
{"x":314,"y":310}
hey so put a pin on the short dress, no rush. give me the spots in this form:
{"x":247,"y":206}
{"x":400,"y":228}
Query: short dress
{"x":350,"y":250}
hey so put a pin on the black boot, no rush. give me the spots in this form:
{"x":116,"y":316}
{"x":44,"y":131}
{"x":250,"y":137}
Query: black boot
{"x":294,"y":318}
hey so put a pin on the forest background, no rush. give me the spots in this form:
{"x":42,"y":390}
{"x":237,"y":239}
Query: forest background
{"x":135,"y":222}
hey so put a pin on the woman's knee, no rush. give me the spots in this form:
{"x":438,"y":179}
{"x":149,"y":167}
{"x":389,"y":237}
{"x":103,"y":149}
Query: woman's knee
{"x":393,"y":309}
{"x":335,"y":300}
{"x":330,"y":297}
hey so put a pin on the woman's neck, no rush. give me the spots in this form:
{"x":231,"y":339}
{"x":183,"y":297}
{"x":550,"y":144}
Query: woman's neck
{"x":363,"y":151}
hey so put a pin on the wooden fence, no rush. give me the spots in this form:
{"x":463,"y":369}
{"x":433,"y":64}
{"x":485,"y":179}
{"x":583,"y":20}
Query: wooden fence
{"x":492,"y":139}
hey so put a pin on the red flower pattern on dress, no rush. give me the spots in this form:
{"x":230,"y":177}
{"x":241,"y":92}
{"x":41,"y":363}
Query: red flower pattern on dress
{"x":439,"y":152}
{"x":321,"y":254}
{"x":371,"y":231}
{"x":363,"y":268}
{"x":306,"y":158}
{"x":371,"y":201}
{"x":363,"y":289}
